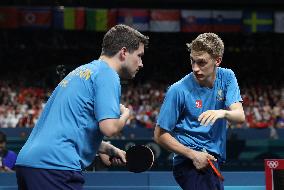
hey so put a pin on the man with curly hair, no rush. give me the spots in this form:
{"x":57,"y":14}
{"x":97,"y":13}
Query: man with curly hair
{"x":192,"y":119}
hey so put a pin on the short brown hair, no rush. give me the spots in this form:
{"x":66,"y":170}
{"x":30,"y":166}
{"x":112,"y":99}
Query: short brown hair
{"x":121,"y":36}
{"x":208,"y":42}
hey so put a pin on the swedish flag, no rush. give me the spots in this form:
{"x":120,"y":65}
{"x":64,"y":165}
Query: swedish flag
{"x":258,"y":21}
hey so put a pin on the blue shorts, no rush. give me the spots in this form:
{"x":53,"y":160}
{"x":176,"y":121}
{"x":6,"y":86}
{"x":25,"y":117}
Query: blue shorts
{"x":189,"y":178}
{"x":44,"y":179}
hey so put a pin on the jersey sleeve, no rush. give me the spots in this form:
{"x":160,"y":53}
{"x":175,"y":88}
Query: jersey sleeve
{"x":233,"y":91}
{"x":107,"y":95}
{"x":171,"y":109}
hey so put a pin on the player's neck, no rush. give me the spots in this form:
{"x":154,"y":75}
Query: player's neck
{"x":111,"y":62}
{"x":209,"y":82}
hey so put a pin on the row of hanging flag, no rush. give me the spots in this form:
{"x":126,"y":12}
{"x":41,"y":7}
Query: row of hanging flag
{"x":153,"y":20}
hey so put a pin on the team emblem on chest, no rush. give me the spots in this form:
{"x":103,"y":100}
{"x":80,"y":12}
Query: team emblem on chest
{"x":198,"y":103}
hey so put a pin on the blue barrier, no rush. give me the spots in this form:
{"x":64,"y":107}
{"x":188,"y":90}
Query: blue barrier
{"x":148,"y":181}
{"x":144,"y":133}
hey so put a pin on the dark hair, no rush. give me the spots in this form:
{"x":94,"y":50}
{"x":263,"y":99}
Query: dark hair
{"x":3,"y":137}
{"x":121,"y":36}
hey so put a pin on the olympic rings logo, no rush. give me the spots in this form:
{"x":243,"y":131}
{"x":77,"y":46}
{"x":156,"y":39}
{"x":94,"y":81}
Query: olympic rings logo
{"x":272,"y":164}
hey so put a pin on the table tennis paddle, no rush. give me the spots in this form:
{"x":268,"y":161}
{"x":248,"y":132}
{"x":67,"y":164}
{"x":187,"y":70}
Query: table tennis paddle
{"x":216,"y":171}
{"x":139,"y":158}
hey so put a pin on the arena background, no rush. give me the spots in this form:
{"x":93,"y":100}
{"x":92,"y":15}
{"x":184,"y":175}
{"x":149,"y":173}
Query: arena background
{"x":34,"y":56}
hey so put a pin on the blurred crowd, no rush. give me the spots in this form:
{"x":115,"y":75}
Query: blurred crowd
{"x":21,"y":106}
{"x":264,"y":106}
{"x":32,"y":57}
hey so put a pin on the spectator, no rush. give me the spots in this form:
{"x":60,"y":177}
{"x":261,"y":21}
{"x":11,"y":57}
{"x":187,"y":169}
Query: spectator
{"x":7,"y":157}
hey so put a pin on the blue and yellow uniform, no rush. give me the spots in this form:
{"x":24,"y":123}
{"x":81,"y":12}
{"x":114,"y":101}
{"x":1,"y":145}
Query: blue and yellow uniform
{"x":67,"y":134}
{"x":186,"y":100}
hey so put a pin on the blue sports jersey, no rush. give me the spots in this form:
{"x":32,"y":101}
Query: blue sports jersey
{"x":186,"y":100}
{"x":67,"y":134}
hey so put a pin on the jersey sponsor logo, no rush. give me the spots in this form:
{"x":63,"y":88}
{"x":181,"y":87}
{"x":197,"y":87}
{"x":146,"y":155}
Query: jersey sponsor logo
{"x":198,"y":103}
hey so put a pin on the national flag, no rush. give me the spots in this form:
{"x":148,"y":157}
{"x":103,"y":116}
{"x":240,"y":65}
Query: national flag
{"x":279,"y":22}
{"x":136,"y":18}
{"x":112,"y":18}
{"x":74,"y":18}
{"x":35,"y":17}
{"x":100,"y":19}
{"x":260,"y":21}
{"x":196,"y":21}
{"x":9,"y":17}
{"x":227,"y":21}
{"x":165,"y":21}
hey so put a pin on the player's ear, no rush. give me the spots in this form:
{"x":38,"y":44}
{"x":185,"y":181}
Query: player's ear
{"x":122,"y":53}
{"x":218,"y":61}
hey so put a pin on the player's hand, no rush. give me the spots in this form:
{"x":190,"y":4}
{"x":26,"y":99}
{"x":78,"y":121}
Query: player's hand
{"x":119,"y":158}
{"x":210,"y":116}
{"x":200,"y":159}
{"x":124,"y":111}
